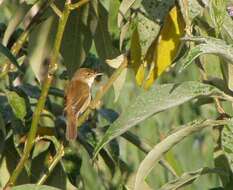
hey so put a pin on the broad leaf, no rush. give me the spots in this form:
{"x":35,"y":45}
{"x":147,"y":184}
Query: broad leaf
{"x":34,"y":187}
{"x":157,"y":99}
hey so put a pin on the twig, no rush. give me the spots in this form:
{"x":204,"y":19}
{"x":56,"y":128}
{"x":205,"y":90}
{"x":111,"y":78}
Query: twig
{"x":52,"y":165}
{"x":56,"y":10}
{"x":102,"y":91}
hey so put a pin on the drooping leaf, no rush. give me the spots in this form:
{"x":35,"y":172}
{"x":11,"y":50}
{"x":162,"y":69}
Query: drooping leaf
{"x":150,"y":20}
{"x":17,"y":104}
{"x":207,"y":45}
{"x":136,"y":57}
{"x":168,"y":44}
{"x":6,"y":52}
{"x":77,"y":38}
{"x":187,"y":178}
{"x":157,"y":152}
{"x":119,"y":82}
{"x":39,"y":49}
{"x":102,"y":38}
{"x":124,"y":7}
{"x":155,"y":100}
{"x":40,"y":147}
{"x":34,"y":187}
{"x":227,"y":143}
{"x":14,"y":22}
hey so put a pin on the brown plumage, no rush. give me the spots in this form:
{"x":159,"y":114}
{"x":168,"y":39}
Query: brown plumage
{"x":78,"y":97}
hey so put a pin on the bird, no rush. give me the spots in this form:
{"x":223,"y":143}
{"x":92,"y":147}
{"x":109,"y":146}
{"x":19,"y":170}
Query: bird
{"x":78,"y":98}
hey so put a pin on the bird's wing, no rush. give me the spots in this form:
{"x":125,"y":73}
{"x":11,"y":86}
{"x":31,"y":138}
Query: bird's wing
{"x":79,"y":98}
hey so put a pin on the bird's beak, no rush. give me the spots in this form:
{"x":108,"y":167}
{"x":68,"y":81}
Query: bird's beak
{"x":99,"y":74}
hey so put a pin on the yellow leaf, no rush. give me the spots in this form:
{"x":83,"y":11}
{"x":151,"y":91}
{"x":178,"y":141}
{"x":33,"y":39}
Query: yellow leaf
{"x":136,"y":57}
{"x":168,"y":44}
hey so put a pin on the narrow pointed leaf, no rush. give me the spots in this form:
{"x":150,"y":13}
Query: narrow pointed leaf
{"x":6,"y":52}
{"x":188,"y":178}
{"x":207,"y":45}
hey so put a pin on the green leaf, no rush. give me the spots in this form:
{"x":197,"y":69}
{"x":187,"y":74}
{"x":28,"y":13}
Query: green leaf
{"x":161,"y":148}
{"x":227,"y":143}
{"x":119,"y":83}
{"x":17,"y":104}
{"x":16,"y":19}
{"x":40,"y":147}
{"x":207,"y":45}
{"x":39,"y":49}
{"x":123,"y":9}
{"x":2,"y":125}
{"x":77,"y":39}
{"x":34,"y":187}
{"x":157,"y":99}
{"x":6,"y":52}
{"x":149,"y":21}
{"x":187,"y":178}
{"x":102,"y":38}
{"x":194,"y":8}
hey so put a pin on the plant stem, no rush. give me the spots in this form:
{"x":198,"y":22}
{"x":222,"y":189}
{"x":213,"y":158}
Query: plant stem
{"x":42,"y":99}
{"x":52,"y":165}
{"x":102,"y":92}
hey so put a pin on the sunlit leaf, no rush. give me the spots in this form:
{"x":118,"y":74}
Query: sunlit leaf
{"x":187,"y":178}
{"x":155,"y":100}
{"x":34,"y":187}
{"x":207,"y":45}
{"x":168,"y":43}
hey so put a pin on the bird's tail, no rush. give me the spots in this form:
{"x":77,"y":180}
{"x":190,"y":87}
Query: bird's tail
{"x":71,"y":129}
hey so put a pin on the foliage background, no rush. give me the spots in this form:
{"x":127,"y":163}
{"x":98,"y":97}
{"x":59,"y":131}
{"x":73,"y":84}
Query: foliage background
{"x":91,"y":36}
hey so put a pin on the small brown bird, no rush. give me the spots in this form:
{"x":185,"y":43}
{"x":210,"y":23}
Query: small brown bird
{"x":78,"y":97}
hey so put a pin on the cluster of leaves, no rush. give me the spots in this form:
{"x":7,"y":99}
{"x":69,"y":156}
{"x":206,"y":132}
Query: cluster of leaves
{"x":147,"y":35}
